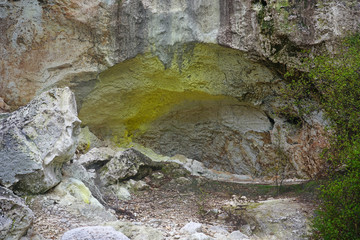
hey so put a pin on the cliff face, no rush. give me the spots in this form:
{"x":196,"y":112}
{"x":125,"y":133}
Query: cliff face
{"x":198,"y":78}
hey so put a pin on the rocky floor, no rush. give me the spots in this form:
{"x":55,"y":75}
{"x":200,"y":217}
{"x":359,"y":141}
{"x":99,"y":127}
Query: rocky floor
{"x":169,"y":204}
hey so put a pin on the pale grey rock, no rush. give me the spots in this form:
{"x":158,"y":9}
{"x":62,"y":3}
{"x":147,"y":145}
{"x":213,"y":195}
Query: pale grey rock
{"x":94,"y":232}
{"x":277,"y":219}
{"x":96,"y":157}
{"x":136,"y":231}
{"x":15,"y":217}
{"x":237,"y":235}
{"x":191,"y":227}
{"x":218,"y":229}
{"x":125,"y":165}
{"x":199,"y":236}
{"x":246,"y":229}
{"x":37,"y":139}
{"x":136,"y":185}
{"x":77,"y":171}
{"x":73,"y":195}
{"x":121,"y":192}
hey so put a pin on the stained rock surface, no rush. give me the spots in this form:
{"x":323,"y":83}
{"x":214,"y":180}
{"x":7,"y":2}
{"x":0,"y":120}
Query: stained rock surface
{"x":68,"y":42}
{"x":177,"y":76}
{"x":15,"y":217}
{"x":36,"y":140}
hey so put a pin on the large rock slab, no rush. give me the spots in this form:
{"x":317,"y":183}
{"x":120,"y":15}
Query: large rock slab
{"x":124,"y":165}
{"x":15,"y":217}
{"x":37,"y":139}
{"x":94,"y":232}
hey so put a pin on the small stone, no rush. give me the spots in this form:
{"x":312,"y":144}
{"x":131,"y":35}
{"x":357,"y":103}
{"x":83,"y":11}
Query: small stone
{"x":157,"y":175}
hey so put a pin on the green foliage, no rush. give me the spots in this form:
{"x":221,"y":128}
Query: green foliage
{"x":332,"y":83}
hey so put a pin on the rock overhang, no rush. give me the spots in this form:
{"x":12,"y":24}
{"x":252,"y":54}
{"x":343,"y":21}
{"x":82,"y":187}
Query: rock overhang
{"x":133,"y":94}
{"x":207,"y":91}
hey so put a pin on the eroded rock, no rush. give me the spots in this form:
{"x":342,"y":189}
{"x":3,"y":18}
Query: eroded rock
{"x":37,"y":139}
{"x":136,"y":231}
{"x":15,"y":217}
{"x":124,"y":165}
{"x":94,"y":232}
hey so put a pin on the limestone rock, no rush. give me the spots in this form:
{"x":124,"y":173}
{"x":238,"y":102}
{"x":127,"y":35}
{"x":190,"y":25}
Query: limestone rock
{"x":96,"y":157}
{"x":15,"y":217}
{"x":77,"y":171}
{"x":73,"y":195}
{"x":124,"y":165}
{"x":199,"y":236}
{"x":136,"y":232}
{"x":277,"y":219}
{"x":37,"y":139}
{"x":191,"y":227}
{"x":54,"y":43}
{"x":237,"y":235}
{"x":94,"y":232}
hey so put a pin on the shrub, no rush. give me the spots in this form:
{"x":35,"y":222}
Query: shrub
{"x":332,"y":83}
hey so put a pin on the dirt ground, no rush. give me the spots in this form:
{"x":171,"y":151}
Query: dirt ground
{"x":168,"y":204}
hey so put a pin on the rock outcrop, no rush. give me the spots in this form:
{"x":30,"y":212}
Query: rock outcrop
{"x":198,"y":78}
{"x":15,"y":217}
{"x":36,"y":140}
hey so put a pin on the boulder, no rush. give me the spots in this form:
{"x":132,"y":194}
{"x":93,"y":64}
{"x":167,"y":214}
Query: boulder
{"x":73,"y":196}
{"x":129,"y":163}
{"x":199,"y":236}
{"x":191,"y":227}
{"x":237,"y":235}
{"x":96,"y":157}
{"x":95,"y":232}
{"x":88,"y":177}
{"x":37,"y":139}
{"x":15,"y":217}
{"x":136,"y":232}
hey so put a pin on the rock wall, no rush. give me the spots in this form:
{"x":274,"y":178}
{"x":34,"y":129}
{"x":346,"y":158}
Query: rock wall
{"x":199,"y":78}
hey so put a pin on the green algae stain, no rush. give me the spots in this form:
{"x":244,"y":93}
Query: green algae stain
{"x":134,"y":93}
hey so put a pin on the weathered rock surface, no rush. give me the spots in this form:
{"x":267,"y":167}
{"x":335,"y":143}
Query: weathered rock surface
{"x":73,"y":195}
{"x":136,"y":231}
{"x":15,"y":217}
{"x":96,"y":157}
{"x":168,"y":83}
{"x":94,"y":232}
{"x":124,"y":165}
{"x":37,"y":139}
{"x":191,"y":227}
{"x":69,"y":42}
{"x":277,"y":219}
{"x":52,"y":43}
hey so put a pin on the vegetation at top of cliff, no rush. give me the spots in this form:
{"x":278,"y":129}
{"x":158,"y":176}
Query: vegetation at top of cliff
{"x":332,"y":82}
